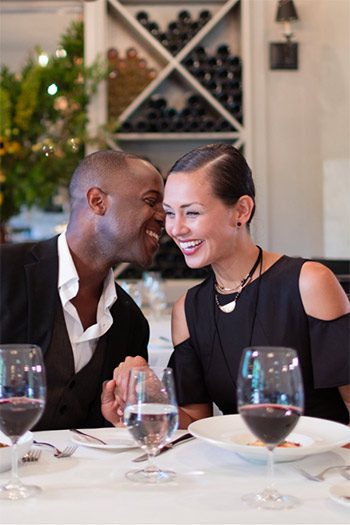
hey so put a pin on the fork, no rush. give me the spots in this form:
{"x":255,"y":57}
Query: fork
{"x":321,"y":476}
{"x":32,"y":455}
{"x":65,"y":453}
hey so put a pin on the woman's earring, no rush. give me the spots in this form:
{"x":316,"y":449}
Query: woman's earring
{"x":239,"y":224}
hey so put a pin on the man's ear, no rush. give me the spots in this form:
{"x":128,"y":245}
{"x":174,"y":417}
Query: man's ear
{"x":97,"y":200}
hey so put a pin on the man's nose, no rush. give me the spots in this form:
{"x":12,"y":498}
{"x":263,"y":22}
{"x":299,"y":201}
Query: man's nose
{"x":160,"y":214}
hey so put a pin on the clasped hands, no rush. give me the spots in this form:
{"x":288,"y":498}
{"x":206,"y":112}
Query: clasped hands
{"x":114,"y":391}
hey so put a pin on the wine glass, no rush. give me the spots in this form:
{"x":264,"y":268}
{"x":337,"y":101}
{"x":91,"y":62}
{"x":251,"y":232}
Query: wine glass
{"x":22,"y":401}
{"x":151,"y":415}
{"x":155,"y":293}
{"x":270,"y":399}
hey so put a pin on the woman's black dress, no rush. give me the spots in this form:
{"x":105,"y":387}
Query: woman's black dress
{"x":268,"y":312}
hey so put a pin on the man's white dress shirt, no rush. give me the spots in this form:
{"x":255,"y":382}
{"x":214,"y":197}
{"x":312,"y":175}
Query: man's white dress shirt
{"x":83,"y":341}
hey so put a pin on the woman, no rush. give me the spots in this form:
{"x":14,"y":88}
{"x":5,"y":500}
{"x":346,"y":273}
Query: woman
{"x":250,"y":296}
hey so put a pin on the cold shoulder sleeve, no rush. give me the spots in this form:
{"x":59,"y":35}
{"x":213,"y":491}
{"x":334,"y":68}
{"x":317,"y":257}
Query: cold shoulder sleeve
{"x":330,"y":350}
{"x":188,"y":375}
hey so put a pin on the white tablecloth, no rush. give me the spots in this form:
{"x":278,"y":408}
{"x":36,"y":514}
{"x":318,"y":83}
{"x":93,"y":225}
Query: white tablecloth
{"x":90,"y":487}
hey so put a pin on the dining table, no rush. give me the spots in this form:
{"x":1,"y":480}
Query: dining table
{"x":90,"y":487}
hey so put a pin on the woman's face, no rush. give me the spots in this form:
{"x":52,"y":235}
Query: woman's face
{"x":199,"y":222}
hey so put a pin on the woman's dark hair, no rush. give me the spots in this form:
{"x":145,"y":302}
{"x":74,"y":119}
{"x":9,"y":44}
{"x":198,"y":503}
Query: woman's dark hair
{"x":228,"y":170}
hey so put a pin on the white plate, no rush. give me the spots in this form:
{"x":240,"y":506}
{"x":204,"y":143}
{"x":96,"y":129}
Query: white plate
{"x":116,"y":438}
{"x":341,"y":493}
{"x":24,"y":444}
{"x":230,"y":432}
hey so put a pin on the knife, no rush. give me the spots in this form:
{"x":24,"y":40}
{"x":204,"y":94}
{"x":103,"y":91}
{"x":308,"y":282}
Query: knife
{"x":89,"y":436}
{"x":169,"y":446}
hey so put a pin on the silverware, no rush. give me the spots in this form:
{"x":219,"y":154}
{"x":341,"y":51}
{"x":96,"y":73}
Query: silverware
{"x":98,"y":440}
{"x":31,"y":456}
{"x":169,"y":446}
{"x":65,"y":453}
{"x":321,"y":476}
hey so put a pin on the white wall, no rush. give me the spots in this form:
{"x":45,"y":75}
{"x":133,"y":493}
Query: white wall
{"x":302,"y":122}
{"x":26,"y":24}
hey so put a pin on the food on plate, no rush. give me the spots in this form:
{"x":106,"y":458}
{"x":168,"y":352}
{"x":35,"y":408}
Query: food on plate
{"x":283,"y":444}
{"x":2,"y":445}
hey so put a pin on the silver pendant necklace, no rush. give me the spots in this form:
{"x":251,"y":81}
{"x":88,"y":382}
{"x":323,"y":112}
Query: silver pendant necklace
{"x":229,"y":307}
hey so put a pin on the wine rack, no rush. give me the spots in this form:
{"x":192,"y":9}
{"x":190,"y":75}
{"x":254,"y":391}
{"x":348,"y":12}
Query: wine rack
{"x":192,"y":49}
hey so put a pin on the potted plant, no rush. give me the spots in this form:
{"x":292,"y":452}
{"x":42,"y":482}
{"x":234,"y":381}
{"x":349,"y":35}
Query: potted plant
{"x":43,"y":119}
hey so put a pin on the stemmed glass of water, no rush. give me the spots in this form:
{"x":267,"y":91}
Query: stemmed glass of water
{"x":270,"y":400}
{"x":22,"y":401}
{"x":151,"y":415}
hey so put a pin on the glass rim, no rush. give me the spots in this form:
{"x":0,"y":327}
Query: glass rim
{"x":270,"y":348}
{"x":12,"y":346}
{"x":149,"y":367}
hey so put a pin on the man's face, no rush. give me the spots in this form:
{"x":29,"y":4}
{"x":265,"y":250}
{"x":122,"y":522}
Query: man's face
{"x":134,"y":218}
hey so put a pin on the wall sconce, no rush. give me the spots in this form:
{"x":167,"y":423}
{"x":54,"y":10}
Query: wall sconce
{"x":285,"y":55}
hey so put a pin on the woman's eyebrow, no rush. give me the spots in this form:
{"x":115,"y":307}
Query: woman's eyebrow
{"x":183,"y":205}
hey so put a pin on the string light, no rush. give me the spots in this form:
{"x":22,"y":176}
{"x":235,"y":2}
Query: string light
{"x":52,"y":89}
{"x":60,"y":52}
{"x":43,"y":59}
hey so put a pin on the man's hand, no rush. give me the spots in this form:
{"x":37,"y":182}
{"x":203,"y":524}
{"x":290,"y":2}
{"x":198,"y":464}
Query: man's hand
{"x":109,"y":403}
{"x":115,"y":391}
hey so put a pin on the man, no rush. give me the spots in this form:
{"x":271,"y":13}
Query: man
{"x":60,"y":294}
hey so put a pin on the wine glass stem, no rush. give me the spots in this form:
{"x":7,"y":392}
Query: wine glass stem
{"x":15,"y":481}
{"x":151,"y":466}
{"x":270,"y":467}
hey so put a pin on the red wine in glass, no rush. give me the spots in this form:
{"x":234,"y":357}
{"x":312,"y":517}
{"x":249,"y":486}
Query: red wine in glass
{"x":19,"y":414}
{"x":269,"y":422}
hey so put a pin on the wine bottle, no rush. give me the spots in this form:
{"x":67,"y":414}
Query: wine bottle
{"x":200,"y":53}
{"x":178,"y":124}
{"x":195,"y":26}
{"x":164,"y":40}
{"x":184,"y":16}
{"x":164,"y":125}
{"x":223,"y":125}
{"x":207,"y":124}
{"x":194,"y":100}
{"x":140,"y":125}
{"x":234,"y":60}
{"x":152,"y":114}
{"x":157,"y":102}
{"x":204,"y":17}
{"x":223,"y":51}
{"x":142,"y":17}
{"x":169,"y":114}
{"x":126,"y":127}
{"x":191,"y":124}
{"x":153,"y":28}
{"x":174,"y":28}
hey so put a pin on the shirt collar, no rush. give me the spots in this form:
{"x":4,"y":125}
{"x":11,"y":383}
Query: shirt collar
{"x":68,"y":278}
{"x":66,"y":269}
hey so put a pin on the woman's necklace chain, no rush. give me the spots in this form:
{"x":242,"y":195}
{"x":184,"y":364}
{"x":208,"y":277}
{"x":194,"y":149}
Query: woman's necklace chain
{"x":220,"y":288}
{"x":229,"y":307}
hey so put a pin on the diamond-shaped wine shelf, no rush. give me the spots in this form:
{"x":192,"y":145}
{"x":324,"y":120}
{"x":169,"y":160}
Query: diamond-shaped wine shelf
{"x":179,"y":32}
